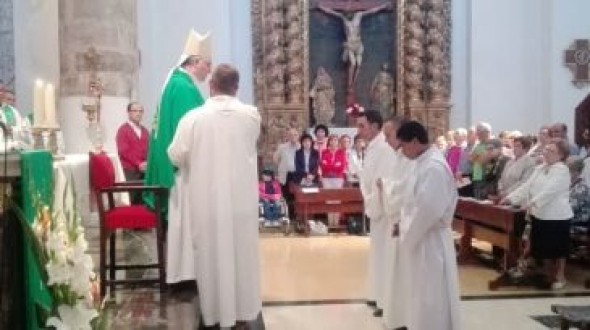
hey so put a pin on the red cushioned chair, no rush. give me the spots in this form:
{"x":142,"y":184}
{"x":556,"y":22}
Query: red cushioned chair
{"x":113,"y":218}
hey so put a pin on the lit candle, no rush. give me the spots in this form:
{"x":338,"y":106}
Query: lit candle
{"x":38,"y":104}
{"x":50,"y":106}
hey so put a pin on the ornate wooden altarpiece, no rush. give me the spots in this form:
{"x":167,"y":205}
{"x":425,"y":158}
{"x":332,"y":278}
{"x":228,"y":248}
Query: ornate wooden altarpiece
{"x":282,"y":77}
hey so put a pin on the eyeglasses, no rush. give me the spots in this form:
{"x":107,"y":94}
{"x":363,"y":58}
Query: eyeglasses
{"x":136,"y":110}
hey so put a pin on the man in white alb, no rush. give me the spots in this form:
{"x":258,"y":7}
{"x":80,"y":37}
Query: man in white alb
{"x":379,"y":158}
{"x":214,"y":150}
{"x":426,"y":267}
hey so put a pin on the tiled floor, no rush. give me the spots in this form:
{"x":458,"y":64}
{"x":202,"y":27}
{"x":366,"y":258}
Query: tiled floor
{"x":335,"y":267}
{"x":319,"y":283}
{"x":504,"y":314}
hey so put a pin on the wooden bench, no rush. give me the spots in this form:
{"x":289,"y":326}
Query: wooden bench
{"x":347,"y":200}
{"x":499,"y":225}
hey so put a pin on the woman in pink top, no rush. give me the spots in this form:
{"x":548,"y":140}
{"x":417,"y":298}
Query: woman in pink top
{"x":455,"y":152}
{"x":269,"y":191}
{"x":333,"y":165}
{"x":333,"y":160}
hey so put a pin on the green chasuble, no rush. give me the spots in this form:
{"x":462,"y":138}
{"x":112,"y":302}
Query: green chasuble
{"x":179,"y":96}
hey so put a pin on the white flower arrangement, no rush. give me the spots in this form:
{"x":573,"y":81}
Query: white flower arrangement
{"x":71,"y":280}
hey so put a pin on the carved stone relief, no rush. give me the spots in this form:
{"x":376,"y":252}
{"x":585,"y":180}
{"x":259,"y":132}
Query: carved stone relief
{"x":275,"y":124}
{"x":295,"y":50}
{"x":426,"y":63}
{"x":274,"y":53}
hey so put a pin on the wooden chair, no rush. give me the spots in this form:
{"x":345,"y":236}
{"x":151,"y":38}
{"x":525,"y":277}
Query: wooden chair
{"x":113,"y":218}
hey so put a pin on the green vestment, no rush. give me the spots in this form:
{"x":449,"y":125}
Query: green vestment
{"x":179,"y":96}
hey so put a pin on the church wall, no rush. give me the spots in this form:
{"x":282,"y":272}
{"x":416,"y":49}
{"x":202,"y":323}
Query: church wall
{"x":460,"y":63}
{"x":163,"y":27}
{"x":508,"y":62}
{"x":570,"y":21}
{"x":507,"y":58}
{"x":36,"y":47}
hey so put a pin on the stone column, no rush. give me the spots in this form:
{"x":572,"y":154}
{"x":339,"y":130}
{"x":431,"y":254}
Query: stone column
{"x":7,"y":42}
{"x":98,"y":39}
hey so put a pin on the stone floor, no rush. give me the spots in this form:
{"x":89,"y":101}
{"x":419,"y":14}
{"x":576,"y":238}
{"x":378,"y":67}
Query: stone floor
{"x":320,"y":283}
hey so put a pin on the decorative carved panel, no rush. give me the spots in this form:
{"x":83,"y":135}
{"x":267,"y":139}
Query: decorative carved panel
{"x":281,"y":63}
{"x":275,"y":123}
{"x":424,"y":62}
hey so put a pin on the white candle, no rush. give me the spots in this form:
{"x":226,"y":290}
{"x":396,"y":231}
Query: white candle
{"x":38,"y":103}
{"x":50,"y":106}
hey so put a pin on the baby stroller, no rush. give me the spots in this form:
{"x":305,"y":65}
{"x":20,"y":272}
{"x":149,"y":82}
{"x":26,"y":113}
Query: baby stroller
{"x":273,"y":210}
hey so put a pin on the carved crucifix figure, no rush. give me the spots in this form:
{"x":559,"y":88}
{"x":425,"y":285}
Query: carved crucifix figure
{"x":577,"y":58}
{"x":353,"y":46}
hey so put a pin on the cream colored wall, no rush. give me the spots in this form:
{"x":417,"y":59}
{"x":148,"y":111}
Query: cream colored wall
{"x":163,"y":27}
{"x":36,"y":47}
{"x":508,"y":62}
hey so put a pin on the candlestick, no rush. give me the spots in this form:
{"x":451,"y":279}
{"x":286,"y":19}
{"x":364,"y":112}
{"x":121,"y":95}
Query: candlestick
{"x":38,"y":103}
{"x":50,"y":106}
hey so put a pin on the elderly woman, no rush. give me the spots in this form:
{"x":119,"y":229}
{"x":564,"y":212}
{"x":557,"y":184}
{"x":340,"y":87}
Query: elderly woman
{"x":545,"y":195}
{"x":518,"y":169}
{"x":579,"y":195}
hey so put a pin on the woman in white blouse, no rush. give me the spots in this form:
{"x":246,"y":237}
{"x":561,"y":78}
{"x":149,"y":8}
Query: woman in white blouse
{"x":357,"y":157}
{"x":545,"y":195}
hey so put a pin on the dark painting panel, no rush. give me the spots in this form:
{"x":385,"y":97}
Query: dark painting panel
{"x":326,"y":36}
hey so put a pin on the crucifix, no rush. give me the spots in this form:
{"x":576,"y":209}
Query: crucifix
{"x":577,"y":58}
{"x":351,"y":13}
{"x":95,"y":88}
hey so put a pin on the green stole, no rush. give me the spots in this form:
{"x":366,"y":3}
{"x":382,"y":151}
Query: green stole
{"x":179,"y":96}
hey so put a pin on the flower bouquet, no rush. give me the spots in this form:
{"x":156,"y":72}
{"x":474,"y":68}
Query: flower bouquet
{"x":62,"y":250}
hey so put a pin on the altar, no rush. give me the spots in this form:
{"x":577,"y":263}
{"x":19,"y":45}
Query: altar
{"x":36,"y":180}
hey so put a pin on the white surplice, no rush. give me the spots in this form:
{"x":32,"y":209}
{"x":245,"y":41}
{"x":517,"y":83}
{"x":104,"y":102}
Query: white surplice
{"x":395,"y":190}
{"x":379,"y":162}
{"x":213,"y":217}
{"x":427,"y":268}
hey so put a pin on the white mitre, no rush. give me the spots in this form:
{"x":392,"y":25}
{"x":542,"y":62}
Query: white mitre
{"x":198,"y":45}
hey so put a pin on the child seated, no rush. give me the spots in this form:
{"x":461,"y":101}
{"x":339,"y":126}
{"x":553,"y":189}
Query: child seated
{"x":270,"y":197}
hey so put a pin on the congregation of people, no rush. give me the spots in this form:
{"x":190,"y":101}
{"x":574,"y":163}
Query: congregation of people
{"x":410,"y":239}
{"x":545,"y":174}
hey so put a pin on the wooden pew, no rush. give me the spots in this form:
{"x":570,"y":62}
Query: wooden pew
{"x":499,"y":225}
{"x":346,"y":200}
